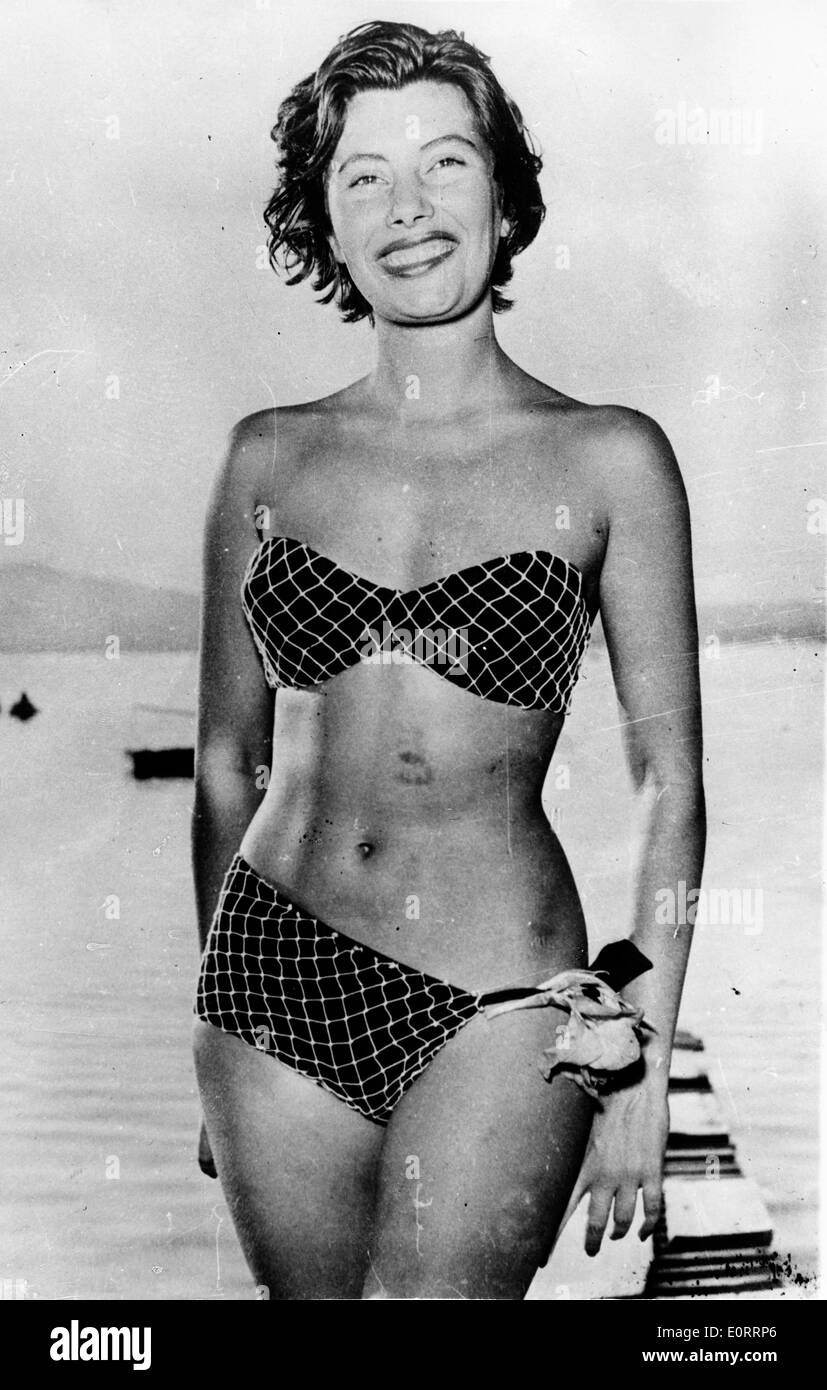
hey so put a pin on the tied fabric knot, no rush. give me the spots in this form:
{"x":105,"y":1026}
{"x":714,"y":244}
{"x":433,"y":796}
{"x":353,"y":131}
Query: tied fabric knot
{"x":603,"y":1033}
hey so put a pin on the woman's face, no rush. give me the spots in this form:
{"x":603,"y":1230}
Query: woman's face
{"x":414,"y":208}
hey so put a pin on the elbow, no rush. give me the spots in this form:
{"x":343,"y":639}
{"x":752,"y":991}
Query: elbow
{"x":686,"y":808}
{"x":681,"y":793}
{"x":226,"y":771}
{"x":685,"y":811}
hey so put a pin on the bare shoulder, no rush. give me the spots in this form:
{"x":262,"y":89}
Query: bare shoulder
{"x":259,"y":447}
{"x":624,"y":460}
{"x":277,"y":436}
{"x":257,"y":430}
{"x":620,"y":454}
{"x":248,"y":443}
{"x":630,"y":453}
{"x":268,"y":451}
{"x":617,"y":437}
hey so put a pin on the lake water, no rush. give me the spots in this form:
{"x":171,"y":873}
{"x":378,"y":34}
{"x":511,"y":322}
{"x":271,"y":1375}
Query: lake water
{"x":103,"y":1195}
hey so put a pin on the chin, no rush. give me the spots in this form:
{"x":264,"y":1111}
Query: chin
{"x":431,"y":313}
{"x":430,"y":306}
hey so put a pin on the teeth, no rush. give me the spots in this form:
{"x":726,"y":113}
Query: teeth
{"x":415,"y":255}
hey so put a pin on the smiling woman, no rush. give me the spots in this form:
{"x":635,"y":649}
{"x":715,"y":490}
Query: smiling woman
{"x":488,"y":136}
{"x":383,"y":911}
{"x":435,"y":174}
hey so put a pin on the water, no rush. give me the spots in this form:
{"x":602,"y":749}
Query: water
{"x":103,"y":1195}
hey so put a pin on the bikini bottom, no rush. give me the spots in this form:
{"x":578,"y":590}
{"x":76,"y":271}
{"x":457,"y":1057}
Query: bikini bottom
{"x":361,"y":1025}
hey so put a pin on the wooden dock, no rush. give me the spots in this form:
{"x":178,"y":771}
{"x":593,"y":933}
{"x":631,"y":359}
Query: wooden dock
{"x":714,"y":1238}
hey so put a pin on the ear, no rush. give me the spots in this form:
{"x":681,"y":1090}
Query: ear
{"x":330,"y":236}
{"x":505,"y":222}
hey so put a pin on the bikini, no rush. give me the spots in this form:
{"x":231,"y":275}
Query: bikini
{"x":360,"y":1024}
{"x":521,"y":622}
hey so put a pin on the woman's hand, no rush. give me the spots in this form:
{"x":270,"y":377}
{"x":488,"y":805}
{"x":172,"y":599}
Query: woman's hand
{"x":206,"y":1161}
{"x":625,"y":1153}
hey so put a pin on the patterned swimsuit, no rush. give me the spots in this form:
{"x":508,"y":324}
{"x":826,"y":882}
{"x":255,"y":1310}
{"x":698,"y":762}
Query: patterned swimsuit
{"x":362,"y":1025}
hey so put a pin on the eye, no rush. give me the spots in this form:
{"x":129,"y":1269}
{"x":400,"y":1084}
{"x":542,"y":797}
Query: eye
{"x":447,"y":159}
{"x":364,"y":179}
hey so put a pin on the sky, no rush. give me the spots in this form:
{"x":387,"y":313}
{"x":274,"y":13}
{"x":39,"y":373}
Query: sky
{"x":681,"y":277}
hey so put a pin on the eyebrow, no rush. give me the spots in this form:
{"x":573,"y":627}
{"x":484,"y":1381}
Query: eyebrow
{"x":438,"y":139}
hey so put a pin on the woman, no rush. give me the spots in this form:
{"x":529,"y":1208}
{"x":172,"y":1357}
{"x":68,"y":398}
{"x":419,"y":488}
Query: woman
{"x":378,"y":1134}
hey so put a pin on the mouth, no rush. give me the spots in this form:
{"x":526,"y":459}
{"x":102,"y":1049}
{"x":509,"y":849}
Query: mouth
{"x":416,"y":258}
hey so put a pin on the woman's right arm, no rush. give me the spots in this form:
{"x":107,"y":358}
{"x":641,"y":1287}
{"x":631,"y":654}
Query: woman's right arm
{"x":235,"y":704}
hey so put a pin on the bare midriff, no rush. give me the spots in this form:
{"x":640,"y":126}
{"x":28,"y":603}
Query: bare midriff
{"x":407,"y":813}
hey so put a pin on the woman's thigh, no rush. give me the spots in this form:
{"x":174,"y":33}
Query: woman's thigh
{"x":477,"y":1167}
{"x":297,"y":1168}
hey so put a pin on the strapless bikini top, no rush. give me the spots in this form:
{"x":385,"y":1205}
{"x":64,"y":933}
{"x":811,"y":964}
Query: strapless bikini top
{"x":513,"y":629}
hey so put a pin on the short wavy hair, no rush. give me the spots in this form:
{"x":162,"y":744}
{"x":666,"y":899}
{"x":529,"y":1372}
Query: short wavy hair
{"x":384,"y":55}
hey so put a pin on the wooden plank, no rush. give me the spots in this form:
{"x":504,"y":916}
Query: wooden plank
{"x":691,"y":1148}
{"x":697,"y":1114}
{"x":718,"y":1288}
{"x":699,"y":1166}
{"x":714,"y":1214}
{"x":687,"y":1065}
{"x":742,"y":1253}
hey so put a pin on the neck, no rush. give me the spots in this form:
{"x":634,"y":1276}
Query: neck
{"x":438,"y":369}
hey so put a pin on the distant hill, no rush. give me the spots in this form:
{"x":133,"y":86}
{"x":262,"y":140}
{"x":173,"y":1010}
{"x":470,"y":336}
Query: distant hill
{"x":43,"y":609}
{"x":761,"y":622}
{"x":756,"y":622}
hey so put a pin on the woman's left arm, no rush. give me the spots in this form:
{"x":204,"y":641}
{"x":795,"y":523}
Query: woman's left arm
{"x":647,"y":605}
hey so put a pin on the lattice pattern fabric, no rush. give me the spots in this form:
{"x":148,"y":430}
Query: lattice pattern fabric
{"x":516,"y":627}
{"x":359,"y":1024}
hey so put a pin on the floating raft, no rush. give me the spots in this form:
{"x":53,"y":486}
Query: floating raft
{"x":714,"y":1238}
{"x":161,"y":762}
{"x":155,"y":750}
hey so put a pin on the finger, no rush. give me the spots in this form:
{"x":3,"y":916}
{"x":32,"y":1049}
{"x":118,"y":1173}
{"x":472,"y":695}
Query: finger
{"x":652,"y":1203}
{"x":574,"y":1201}
{"x":599,"y":1206}
{"x":624,"y":1213}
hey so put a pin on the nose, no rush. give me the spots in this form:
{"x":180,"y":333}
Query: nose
{"x":408,"y":202}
